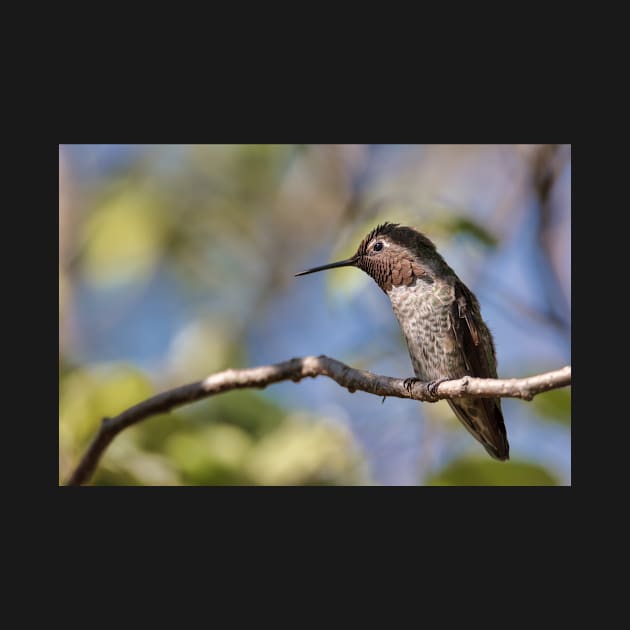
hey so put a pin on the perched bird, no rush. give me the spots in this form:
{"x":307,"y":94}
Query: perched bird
{"x":440,"y":320}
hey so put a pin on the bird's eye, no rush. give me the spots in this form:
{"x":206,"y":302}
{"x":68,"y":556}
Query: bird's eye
{"x":378,"y":246}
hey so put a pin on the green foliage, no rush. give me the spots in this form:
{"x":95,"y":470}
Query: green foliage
{"x":459,"y":224}
{"x":154,"y":433}
{"x":214,"y":455}
{"x":123,"y":238}
{"x":87,"y":395}
{"x":249,"y":411}
{"x":486,"y":472}
{"x":302,"y":452}
{"x":245,"y":410}
{"x":126,"y":463}
{"x":299,"y":451}
{"x":554,"y":405}
{"x":240,"y":437}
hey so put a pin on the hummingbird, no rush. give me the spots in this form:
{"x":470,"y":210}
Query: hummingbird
{"x":440,"y":319}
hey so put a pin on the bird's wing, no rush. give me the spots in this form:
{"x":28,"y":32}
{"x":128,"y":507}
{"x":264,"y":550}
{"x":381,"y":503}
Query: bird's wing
{"x":481,"y":416}
{"x":465,"y":322}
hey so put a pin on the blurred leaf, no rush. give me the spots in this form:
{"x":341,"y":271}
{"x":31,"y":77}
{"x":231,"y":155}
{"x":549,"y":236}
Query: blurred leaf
{"x":125,"y":463}
{"x":123,"y":238}
{"x":66,"y":367}
{"x":249,"y":410}
{"x":120,"y":387}
{"x":460,"y":224}
{"x":554,"y":405}
{"x":88,"y":395}
{"x":304,"y":452}
{"x":246,"y":409}
{"x":212,"y":456}
{"x":485,"y":472}
{"x":106,"y":476}
{"x":155,"y":431}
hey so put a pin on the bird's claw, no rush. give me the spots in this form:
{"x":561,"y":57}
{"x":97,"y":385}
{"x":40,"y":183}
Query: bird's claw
{"x":432,"y":386}
{"x":409,"y":382}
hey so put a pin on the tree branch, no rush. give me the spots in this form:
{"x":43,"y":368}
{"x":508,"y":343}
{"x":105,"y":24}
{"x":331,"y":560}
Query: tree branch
{"x":296,"y":370}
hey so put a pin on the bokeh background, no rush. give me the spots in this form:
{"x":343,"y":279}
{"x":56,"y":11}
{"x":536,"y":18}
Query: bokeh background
{"x":178,"y":261}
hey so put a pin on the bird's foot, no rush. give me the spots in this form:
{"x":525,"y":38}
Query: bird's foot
{"x":432,"y":386}
{"x":408,"y":383}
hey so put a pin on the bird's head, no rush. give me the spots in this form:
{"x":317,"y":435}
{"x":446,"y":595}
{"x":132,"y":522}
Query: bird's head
{"x":393,"y":255}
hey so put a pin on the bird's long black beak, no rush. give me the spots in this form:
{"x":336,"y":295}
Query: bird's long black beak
{"x":349,"y":262}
